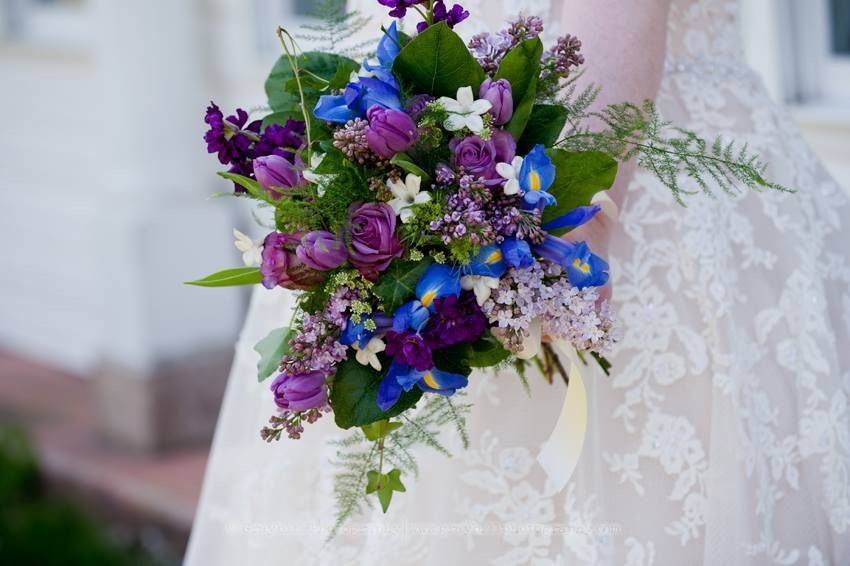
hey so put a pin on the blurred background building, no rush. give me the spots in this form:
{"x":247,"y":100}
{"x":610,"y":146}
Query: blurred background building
{"x":105,"y":208}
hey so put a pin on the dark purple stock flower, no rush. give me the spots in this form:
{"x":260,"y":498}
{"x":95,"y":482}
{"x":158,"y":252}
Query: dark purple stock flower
{"x":441,"y":14}
{"x":457,"y":319}
{"x":322,"y":250}
{"x":410,"y":349}
{"x":282,"y":267}
{"x":300,"y":392}
{"x":479,"y":158}
{"x":500,"y":95}
{"x":229,"y":137}
{"x":372,"y":242}
{"x":390,"y":131}
{"x":274,"y":172}
{"x":399,"y":7}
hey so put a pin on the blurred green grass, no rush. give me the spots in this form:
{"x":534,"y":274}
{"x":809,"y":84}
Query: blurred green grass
{"x":36,"y":528}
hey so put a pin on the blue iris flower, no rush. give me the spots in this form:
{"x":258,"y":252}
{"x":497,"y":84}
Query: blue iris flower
{"x":401,"y":377}
{"x":517,"y":253}
{"x":586,"y":269}
{"x":437,"y":281}
{"x":365,"y":92}
{"x":535,"y":177}
{"x":488,"y":262}
{"x":410,"y":316}
{"x":574,"y":218}
{"x":555,"y":250}
{"x":356,"y":333}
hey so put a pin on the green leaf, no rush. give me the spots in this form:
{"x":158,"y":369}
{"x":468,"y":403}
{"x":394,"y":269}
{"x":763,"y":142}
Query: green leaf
{"x":384,"y":485}
{"x":283,"y":96}
{"x":230,"y":278}
{"x":385,"y":496}
{"x":394,"y":482}
{"x":544,"y":127}
{"x":398,"y":283}
{"x":343,"y":73}
{"x":437,"y":62}
{"x":373,"y":479}
{"x":487,"y":352}
{"x":406,"y":163}
{"x":454,"y":359}
{"x":380,"y":429}
{"x":250,"y":185}
{"x":578,"y":177}
{"x":354,"y":396}
{"x":271,"y":349}
{"x":521,"y":67}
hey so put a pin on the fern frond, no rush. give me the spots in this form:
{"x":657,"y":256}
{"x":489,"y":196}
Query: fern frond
{"x":334,"y":28}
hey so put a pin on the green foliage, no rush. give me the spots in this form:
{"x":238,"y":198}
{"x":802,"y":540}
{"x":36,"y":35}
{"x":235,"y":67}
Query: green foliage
{"x":294,"y":215}
{"x":282,"y":89}
{"x":251,"y":186}
{"x":271,"y":349}
{"x":230,"y":278}
{"x":521,"y":67}
{"x":398,"y":283}
{"x":544,"y":127}
{"x":579,"y":176}
{"x":384,"y":485}
{"x":671,"y":154}
{"x":347,"y":186}
{"x":335,"y":28}
{"x":355,"y":392}
{"x":380,"y":429}
{"x":404,"y":162}
{"x":437,"y":62}
{"x":454,"y":359}
{"x":487,"y":352}
{"x":417,"y":232}
{"x":462,"y":250}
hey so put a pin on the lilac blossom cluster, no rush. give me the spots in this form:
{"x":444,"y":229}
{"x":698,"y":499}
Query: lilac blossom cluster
{"x":542,"y":293}
{"x":558,"y":63}
{"x":489,"y":49}
{"x":466,"y":214}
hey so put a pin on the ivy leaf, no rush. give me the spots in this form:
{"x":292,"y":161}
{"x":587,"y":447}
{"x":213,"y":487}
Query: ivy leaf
{"x":394,"y":478}
{"x":380,"y":429}
{"x":384,"y":485}
{"x":521,"y":67}
{"x":354,"y":395}
{"x":544,"y":127}
{"x":271,"y":349}
{"x":578,"y":177}
{"x":398,"y":283}
{"x":487,"y":352}
{"x":437,"y":62}
{"x":230,"y":278}
{"x":373,"y":481}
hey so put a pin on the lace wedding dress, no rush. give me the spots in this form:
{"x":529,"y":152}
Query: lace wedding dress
{"x":722,"y":436}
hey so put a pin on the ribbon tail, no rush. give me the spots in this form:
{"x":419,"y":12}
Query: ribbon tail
{"x":560,"y":453}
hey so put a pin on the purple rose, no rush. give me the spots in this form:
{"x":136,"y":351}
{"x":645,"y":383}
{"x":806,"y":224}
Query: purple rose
{"x":505,"y":146}
{"x":282,"y":267}
{"x":273,"y":172}
{"x":373,"y":243}
{"x":321,"y":250}
{"x":300,"y":392}
{"x":410,"y":349}
{"x":501,"y":98}
{"x":476,"y":156}
{"x":390,"y":131}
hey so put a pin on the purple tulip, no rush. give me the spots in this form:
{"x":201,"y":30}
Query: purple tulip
{"x":500,"y":95}
{"x":300,"y":392}
{"x":282,"y":267}
{"x":505,"y":145}
{"x":390,"y":131}
{"x":273,"y":172}
{"x":322,"y":250}
{"x":373,"y":243}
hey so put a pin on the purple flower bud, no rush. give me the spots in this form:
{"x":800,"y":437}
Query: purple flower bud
{"x":300,"y":392}
{"x":322,"y":250}
{"x":273,"y":172}
{"x":500,"y":95}
{"x":373,"y":243}
{"x":282,"y":267}
{"x":390,"y":131}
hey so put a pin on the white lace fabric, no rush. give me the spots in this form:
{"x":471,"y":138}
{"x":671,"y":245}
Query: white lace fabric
{"x":722,"y":436}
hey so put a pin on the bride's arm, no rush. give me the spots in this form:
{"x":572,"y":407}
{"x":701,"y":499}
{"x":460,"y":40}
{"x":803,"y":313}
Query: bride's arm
{"x":624,"y":45}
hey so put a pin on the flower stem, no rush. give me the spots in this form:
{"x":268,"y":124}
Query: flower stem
{"x":290,"y":51}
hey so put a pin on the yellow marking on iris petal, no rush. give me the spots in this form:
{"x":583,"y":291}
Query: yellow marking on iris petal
{"x":534,"y":179}
{"x":429,"y":380}
{"x":494,"y":257}
{"x":428,"y":298}
{"x":583,"y":267}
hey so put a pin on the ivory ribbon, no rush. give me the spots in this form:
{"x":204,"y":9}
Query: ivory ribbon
{"x":560,"y":453}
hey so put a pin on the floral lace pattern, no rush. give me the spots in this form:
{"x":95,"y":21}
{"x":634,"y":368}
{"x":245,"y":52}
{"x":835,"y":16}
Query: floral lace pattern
{"x":723,"y":435}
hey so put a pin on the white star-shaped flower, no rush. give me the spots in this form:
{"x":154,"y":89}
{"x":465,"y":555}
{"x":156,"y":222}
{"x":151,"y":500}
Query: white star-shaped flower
{"x":510,"y":172}
{"x":368,"y":356}
{"x":310,"y":174}
{"x":251,"y":249}
{"x":480,"y":285}
{"x":407,"y":194}
{"x":465,"y":111}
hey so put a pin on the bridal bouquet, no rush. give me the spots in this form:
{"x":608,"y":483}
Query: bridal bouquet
{"x":420,"y":198}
